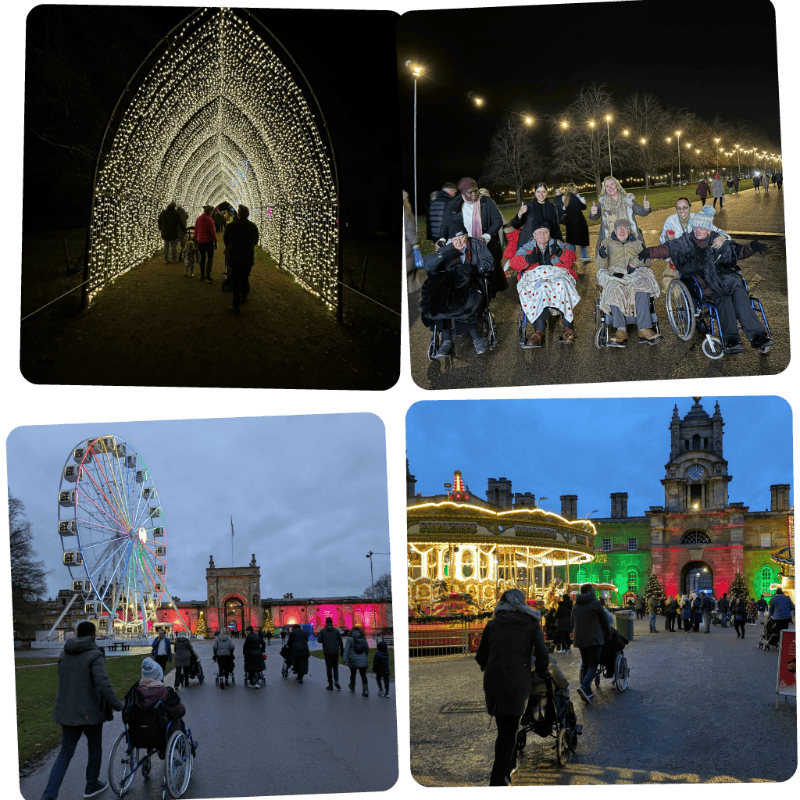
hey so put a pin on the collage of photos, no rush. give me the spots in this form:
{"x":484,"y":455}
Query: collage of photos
{"x":218,"y":381}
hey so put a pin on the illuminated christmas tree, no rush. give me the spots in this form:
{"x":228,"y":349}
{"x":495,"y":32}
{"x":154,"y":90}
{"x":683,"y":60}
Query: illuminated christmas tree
{"x":268,"y":624}
{"x":738,"y":587}
{"x":654,"y":587}
{"x":201,"y":626}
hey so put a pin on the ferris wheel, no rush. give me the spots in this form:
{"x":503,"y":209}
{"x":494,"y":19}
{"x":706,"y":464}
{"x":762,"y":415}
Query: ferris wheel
{"x":111,"y":527}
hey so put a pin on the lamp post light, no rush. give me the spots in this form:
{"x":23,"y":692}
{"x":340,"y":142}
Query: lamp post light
{"x":678,"y":134}
{"x":738,"y":162}
{"x":718,"y":148}
{"x":416,"y":71}
{"x":608,"y":132}
{"x":372,"y":581}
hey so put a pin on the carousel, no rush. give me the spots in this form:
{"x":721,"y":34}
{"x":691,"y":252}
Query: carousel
{"x":784,"y":557}
{"x":463,"y":553}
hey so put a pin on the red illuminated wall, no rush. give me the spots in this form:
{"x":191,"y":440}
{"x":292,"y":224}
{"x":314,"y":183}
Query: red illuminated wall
{"x":724,"y":562}
{"x":189,"y":616}
{"x":368,"y":615}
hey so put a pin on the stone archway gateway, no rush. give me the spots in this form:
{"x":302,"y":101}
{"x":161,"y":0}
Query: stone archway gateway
{"x":234,"y":614}
{"x":697,"y":576}
{"x":214,"y":115}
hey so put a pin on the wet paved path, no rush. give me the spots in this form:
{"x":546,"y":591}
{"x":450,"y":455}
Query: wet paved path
{"x":744,"y":216}
{"x":699,"y":709}
{"x":286,"y":738}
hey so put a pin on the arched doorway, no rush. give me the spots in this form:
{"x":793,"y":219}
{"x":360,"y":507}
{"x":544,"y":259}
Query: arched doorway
{"x":697,"y":576}
{"x":234,"y":614}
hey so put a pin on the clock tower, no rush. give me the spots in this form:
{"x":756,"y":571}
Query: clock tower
{"x":697,"y":536}
{"x":696,"y":473}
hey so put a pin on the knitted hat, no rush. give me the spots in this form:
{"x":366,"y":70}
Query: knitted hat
{"x":704,"y":218}
{"x":151,"y":670}
{"x":465,"y":184}
{"x":542,"y":227}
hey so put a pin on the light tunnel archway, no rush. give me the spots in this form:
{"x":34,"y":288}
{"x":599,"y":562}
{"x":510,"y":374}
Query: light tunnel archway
{"x":219,"y":117}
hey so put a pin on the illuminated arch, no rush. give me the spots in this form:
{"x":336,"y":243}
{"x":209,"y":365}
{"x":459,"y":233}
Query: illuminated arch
{"x":218,"y":117}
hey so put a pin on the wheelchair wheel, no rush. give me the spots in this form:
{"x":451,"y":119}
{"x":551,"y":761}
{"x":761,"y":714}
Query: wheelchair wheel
{"x":146,"y":767}
{"x":522,"y":740}
{"x":436,"y":343}
{"x":121,"y":765}
{"x":563,"y":746}
{"x":601,"y":337}
{"x":680,"y":310}
{"x":491,"y":332}
{"x":178,"y":763}
{"x":621,"y":673}
{"x":712,"y":348}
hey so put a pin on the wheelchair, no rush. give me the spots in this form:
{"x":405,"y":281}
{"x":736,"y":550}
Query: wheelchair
{"x":485,"y":321}
{"x":550,"y":714}
{"x":613,"y":665}
{"x":523,"y":322}
{"x":176,"y":748}
{"x":689,"y":311}
{"x":604,"y":323}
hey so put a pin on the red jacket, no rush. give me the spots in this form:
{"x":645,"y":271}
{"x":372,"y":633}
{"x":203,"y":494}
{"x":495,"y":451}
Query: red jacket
{"x":204,"y":229}
{"x":566,"y":259}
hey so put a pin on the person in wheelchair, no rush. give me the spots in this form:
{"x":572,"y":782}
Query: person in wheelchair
{"x":627,"y":284}
{"x":718,"y":274}
{"x":147,"y":720}
{"x":451,"y":298}
{"x":546,"y":279}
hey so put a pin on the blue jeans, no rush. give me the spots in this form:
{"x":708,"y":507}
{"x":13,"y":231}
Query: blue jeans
{"x":725,"y":619}
{"x":70,"y":736}
{"x":590,"y":658}
{"x":653,"y":620}
{"x":584,"y":254}
{"x":174,"y":243}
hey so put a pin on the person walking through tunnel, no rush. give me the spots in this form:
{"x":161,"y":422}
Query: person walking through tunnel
{"x":205,"y":234}
{"x":172,"y":229}
{"x":241,"y":238}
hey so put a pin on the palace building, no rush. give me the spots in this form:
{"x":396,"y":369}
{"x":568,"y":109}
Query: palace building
{"x":697,"y":539}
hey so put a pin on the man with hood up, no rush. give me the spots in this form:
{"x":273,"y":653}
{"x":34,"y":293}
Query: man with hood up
{"x":591,"y":630}
{"x":84,"y":701}
{"x":332,"y":647}
{"x":253,"y":651}
{"x":511,"y":640}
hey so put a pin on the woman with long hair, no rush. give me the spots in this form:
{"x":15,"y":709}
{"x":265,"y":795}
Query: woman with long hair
{"x":535,"y":213}
{"x":615,"y":203}
{"x":577,"y":229}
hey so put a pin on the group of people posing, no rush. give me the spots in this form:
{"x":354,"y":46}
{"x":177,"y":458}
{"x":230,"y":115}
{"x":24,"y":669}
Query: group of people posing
{"x":466,"y":270}
{"x":198,"y":243}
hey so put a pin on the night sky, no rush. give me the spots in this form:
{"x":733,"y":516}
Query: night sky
{"x":534,"y":59}
{"x":308,"y":496}
{"x":99,"y":48}
{"x":592,"y":448}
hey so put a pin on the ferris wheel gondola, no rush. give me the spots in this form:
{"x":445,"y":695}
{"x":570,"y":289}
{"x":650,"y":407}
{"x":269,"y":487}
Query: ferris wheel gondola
{"x":111,"y":526}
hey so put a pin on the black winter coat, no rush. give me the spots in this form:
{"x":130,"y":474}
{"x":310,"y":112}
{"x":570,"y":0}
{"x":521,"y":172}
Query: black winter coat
{"x":240,"y":238}
{"x":491,"y":218}
{"x":451,"y":291}
{"x":575,"y":222}
{"x":716,"y":267}
{"x":564,"y":616}
{"x":252,"y":649}
{"x":437,"y":211}
{"x":510,"y":642}
{"x":590,"y":621}
{"x":538,"y":214}
{"x":169,"y":223}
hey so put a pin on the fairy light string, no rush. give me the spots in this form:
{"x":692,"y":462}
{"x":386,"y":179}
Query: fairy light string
{"x":218,"y":118}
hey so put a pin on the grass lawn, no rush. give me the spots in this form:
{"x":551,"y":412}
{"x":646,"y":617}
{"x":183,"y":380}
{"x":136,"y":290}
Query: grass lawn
{"x":321,"y":656}
{"x":37,"y":684}
{"x":660,"y":198}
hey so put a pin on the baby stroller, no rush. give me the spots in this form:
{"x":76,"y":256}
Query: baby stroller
{"x":770,"y":638}
{"x":550,"y":714}
{"x":196,"y":669}
{"x":288,"y":666}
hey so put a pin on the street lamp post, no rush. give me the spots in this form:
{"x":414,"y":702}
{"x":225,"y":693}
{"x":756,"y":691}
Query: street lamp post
{"x":372,"y":582}
{"x":416,"y":71}
{"x":718,"y":148}
{"x":608,"y":132}
{"x":678,"y":134}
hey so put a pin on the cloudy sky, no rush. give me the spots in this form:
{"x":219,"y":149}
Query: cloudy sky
{"x":592,"y":447}
{"x":307,"y":495}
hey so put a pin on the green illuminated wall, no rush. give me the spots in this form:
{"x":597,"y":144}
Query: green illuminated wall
{"x":756,"y":564}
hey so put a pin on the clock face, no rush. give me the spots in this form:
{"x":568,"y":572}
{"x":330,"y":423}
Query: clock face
{"x":696,"y":472}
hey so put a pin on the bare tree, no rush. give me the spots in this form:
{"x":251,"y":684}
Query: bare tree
{"x":513,"y":157}
{"x":383,"y":588}
{"x":646,"y":122}
{"x":28,"y":576}
{"x":581,"y":143}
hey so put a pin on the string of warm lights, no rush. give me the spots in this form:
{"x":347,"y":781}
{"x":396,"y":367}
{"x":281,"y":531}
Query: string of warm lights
{"x":218,"y":118}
